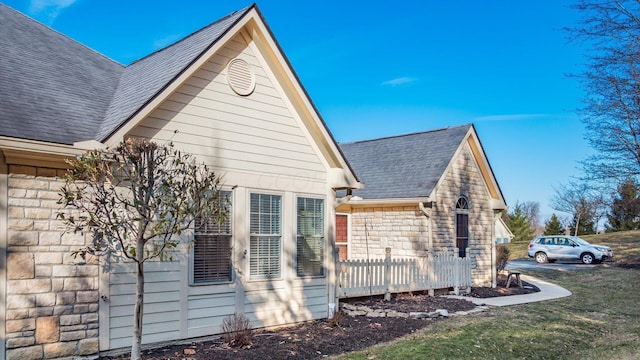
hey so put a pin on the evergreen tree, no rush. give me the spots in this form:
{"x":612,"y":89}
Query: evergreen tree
{"x":585,"y":227}
{"x":553,"y":226}
{"x":625,"y":209}
{"x":519,"y":224}
{"x":583,"y":218}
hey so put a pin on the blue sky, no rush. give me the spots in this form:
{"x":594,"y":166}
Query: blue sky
{"x":381,"y":68}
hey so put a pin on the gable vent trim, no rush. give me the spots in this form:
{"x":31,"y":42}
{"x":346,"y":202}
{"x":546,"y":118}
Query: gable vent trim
{"x":240,"y":77}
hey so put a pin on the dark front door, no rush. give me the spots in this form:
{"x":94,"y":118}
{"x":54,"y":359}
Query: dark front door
{"x":462,"y":234}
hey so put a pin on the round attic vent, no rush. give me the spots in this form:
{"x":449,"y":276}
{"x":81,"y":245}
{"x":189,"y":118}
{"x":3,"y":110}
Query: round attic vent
{"x":240,"y":77}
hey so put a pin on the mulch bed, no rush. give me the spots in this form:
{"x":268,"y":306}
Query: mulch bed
{"x":320,"y":338}
{"x":502,"y":290}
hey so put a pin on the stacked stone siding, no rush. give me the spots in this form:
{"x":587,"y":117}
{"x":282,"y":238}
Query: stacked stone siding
{"x":405,"y":229}
{"x":52,"y":297}
{"x":464,"y":179}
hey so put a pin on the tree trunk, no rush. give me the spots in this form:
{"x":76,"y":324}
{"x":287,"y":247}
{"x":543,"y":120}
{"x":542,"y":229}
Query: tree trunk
{"x":138,"y":311}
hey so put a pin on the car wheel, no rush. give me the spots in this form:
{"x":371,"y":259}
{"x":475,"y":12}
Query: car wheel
{"x":587,"y":258}
{"x":541,"y":258}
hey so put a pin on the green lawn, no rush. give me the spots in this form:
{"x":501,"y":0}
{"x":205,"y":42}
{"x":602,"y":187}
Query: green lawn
{"x":518,"y":250}
{"x":625,"y":245}
{"x":601,"y":320}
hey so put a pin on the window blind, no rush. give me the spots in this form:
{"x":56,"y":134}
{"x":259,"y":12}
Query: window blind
{"x":265,"y":246}
{"x":212,"y":246}
{"x":310,"y":237}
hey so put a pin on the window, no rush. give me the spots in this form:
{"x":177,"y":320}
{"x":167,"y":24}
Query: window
{"x":310,"y":240}
{"x":212,"y":247}
{"x":342,"y":236}
{"x":266,"y":235}
{"x":462,"y":203}
{"x":462,"y":226}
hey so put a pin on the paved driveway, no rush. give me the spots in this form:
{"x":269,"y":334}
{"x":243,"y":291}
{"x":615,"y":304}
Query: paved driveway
{"x":558,"y":265}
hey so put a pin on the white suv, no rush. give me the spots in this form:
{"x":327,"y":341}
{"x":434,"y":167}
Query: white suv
{"x":560,"y":247}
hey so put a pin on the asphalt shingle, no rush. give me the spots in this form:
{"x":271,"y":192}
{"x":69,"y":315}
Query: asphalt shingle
{"x":143,"y":79}
{"x":55,"y":89}
{"x":404,"y":166}
{"x":52,"y":88}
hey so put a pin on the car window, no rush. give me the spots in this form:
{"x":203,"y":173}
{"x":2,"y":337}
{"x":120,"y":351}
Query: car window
{"x":580,"y":241}
{"x":550,"y":241}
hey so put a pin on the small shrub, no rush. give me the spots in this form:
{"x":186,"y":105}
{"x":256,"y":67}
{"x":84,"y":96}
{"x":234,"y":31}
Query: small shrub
{"x":502,"y":257}
{"x":237,"y":332}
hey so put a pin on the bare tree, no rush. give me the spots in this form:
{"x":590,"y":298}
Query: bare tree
{"x":611,"y":80}
{"x":136,"y":200}
{"x":584,"y":203}
{"x":532,"y":210}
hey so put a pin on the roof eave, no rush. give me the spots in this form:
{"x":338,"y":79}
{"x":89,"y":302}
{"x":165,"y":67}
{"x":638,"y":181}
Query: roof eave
{"x":121,"y":130}
{"x":37,"y":153}
{"x":339,"y":156}
{"x":389,"y":201}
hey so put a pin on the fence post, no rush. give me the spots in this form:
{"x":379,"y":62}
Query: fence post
{"x":387,"y":274}
{"x":431,"y":272}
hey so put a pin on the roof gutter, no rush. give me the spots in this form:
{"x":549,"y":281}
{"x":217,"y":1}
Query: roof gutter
{"x":37,"y":153}
{"x":356,"y":200}
{"x":9,"y":143}
{"x":426,"y":211}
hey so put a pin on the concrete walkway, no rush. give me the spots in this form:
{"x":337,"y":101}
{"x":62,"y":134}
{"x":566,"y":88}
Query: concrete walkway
{"x":548,"y":291}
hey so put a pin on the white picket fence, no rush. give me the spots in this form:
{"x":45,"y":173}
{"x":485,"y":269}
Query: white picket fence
{"x":386,"y":276}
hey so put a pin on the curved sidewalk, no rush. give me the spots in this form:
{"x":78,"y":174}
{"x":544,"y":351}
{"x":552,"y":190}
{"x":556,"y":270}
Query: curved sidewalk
{"x":548,"y":291}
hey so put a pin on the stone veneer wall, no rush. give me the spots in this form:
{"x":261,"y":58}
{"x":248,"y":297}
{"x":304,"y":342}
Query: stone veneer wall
{"x":52,"y":297}
{"x":401,"y":228}
{"x":406,"y":230}
{"x":464,"y":178}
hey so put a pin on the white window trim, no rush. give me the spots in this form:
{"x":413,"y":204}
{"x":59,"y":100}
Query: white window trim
{"x":247,"y":211}
{"x":348,"y":243}
{"x":327,"y":246}
{"x":233,"y":242}
{"x":467,"y":212}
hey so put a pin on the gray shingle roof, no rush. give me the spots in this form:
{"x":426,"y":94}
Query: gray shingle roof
{"x":404,"y":166}
{"x":52,"y":88}
{"x":55,"y":89}
{"x":143,"y":79}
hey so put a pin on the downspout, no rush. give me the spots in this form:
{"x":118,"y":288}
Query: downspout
{"x":4,"y":217}
{"x":334,"y":295}
{"x":427,"y":214}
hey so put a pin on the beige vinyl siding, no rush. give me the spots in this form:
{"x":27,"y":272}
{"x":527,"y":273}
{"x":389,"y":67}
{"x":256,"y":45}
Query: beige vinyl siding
{"x":285,"y":305}
{"x":207,"y":311}
{"x":256,"y":133}
{"x":259,"y":145}
{"x":161,"y":320}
